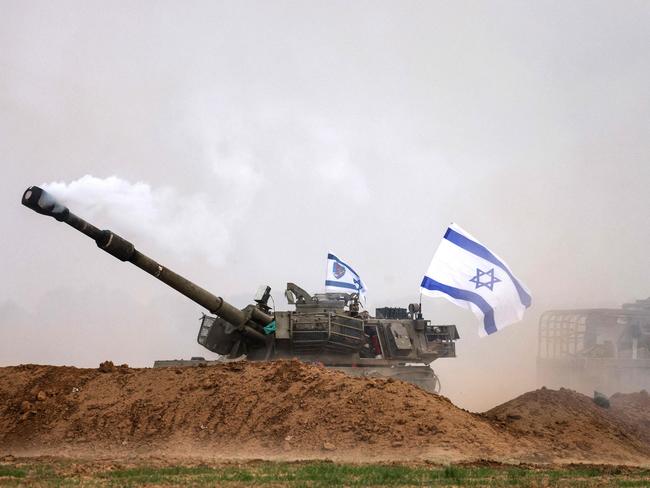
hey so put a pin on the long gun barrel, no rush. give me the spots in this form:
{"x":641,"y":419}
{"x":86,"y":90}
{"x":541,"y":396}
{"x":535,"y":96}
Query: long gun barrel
{"x":42,"y":202}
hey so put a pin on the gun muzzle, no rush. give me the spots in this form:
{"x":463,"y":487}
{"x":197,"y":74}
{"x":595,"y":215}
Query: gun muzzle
{"x":42,"y":202}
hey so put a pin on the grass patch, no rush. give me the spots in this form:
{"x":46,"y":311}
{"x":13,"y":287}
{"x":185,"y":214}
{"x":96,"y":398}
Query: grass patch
{"x":319,"y":474}
{"x":11,"y":472}
{"x":455,"y":473}
{"x":147,"y":472}
{"x":330,"y":474}
{"x":201,"y":475}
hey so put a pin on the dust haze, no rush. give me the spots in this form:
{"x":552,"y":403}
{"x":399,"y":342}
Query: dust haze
{"x":238,"y":142}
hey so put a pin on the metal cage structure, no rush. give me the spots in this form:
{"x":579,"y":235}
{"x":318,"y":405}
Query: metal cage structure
{"x":595,"y":349}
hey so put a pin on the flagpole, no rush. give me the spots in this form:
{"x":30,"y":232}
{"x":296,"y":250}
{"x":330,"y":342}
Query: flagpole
{"x":327,"y":265}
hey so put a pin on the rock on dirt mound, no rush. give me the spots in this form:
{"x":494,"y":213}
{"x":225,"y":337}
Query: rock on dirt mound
{"x":570,"y":422}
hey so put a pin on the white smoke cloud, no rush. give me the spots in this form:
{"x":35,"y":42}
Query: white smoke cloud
{"x":182,"y":224}
{"x":350,"y":180}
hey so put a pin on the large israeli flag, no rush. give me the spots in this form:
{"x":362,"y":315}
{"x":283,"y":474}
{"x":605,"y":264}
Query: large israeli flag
{"x":341,"y":277}
{"x":468,"y":274}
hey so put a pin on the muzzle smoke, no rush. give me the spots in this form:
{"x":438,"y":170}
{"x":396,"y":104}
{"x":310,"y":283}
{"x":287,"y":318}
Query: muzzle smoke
{"x":189,"y":225}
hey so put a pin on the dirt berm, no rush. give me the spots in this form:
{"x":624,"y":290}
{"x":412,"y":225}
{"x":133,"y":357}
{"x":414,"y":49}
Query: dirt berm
{"x":287,"y":409}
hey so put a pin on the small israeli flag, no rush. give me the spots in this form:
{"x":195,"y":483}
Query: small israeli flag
{"x":468,"y":274}
{"x":341,"y":277}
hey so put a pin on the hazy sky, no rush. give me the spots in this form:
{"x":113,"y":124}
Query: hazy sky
{"x":246,"y":139}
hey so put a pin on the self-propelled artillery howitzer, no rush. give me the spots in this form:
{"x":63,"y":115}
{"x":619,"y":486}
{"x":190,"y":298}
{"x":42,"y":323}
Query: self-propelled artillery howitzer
{"x":328,"y":328}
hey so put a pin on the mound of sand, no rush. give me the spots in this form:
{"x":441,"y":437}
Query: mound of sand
{"x":571,"y":423}
{"x":290,"y":409}
{"x":633,"y":409}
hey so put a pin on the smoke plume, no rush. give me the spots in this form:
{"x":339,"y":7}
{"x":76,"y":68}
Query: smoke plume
{"x":187,"y":225}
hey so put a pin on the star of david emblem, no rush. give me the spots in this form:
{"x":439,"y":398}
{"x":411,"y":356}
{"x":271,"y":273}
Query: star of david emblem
{"x":492,"y":280}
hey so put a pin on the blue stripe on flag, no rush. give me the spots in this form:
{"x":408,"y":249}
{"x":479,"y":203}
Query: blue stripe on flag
{"x":481,"y":251}
{"x":331,"y":256}
{"x":341,"y":284}
{"x":469,"y":296}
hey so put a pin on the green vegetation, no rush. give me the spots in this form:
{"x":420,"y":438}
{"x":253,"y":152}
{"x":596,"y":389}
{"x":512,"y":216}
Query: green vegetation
{"x":313,"y":475}
{"x":11,"y":472}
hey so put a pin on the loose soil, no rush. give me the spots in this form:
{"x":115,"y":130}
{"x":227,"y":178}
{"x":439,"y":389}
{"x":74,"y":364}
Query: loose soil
{"x":634,"y":409}
{"x":291,"y":410}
